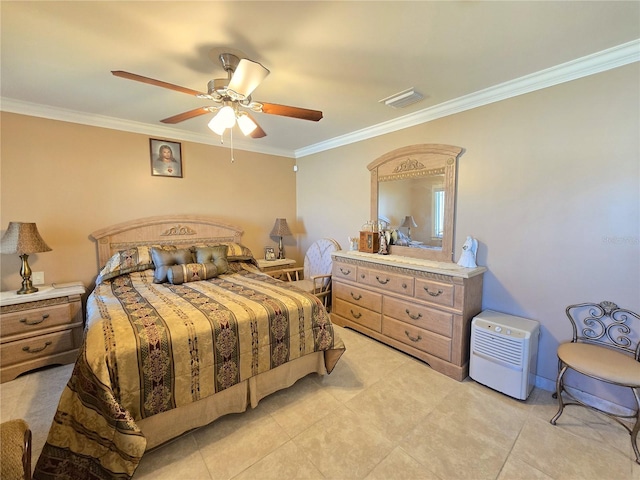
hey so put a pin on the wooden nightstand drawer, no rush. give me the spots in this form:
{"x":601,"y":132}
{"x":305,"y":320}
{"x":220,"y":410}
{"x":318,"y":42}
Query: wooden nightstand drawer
{"x":39,"y":329}
{"x":37,"y":319}
{"x":12,"y":353}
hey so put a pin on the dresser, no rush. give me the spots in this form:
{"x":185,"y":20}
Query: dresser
{"x":421,"y":307}
{"x":39,"y":329}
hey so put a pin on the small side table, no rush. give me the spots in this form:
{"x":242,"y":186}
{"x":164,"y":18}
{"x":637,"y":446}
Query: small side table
{"x":273,"y":265}
{"x":38,"y":329}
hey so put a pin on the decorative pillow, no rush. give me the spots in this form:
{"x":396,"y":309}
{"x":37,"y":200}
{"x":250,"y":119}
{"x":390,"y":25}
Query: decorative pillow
{"x":236,"y":252}
{"x":191,"y":272}
{"x":165,"y":257}
{"x":134,"y":259}
{"x":216,"y":255}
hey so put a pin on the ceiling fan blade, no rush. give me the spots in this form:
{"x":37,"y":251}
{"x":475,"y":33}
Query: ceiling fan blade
{"x":247,"y":76}
{"x":157,"y":83}
{"x":258,"y":132}
{"x":181,"y":117}
{"x":295,"y":112}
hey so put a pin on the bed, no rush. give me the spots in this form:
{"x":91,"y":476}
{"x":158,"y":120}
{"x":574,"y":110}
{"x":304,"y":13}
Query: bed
{"x":173,"y":342}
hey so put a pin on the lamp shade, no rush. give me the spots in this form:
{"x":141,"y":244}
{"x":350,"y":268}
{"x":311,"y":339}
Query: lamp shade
{"x":21,"y":238}
{"x":280,"y":228}
{"x":409,"y":222}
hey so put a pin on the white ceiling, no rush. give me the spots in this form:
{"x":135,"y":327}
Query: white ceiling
{"x":338,"y":57}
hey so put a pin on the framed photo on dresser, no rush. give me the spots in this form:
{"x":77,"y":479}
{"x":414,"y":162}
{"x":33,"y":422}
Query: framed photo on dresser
{"x":269,"y":253}
{"x":166,"y":158}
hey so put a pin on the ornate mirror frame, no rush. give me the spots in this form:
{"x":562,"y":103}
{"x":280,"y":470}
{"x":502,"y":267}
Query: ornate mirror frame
{"x":417,"y":161}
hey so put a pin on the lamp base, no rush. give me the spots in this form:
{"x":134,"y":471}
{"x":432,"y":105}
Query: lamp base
{"x":280,"y":250}
{"x":27,"y":288}
{"x":25,"y":273}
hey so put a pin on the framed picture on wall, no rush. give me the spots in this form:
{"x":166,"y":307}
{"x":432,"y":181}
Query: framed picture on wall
{"x":269,"y":253}
{"x":166,"y":158}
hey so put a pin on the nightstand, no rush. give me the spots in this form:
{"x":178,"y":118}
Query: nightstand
{"x":38,"y":329}
{"x":272,"y":265}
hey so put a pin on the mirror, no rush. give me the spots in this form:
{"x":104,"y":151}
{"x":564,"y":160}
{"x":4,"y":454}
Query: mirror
{"x":413,"y":189}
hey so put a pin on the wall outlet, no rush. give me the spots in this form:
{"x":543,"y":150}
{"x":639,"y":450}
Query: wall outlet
{"x":37,"y":278}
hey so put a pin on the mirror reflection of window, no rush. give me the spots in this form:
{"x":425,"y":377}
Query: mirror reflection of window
{"x":438,"y":212}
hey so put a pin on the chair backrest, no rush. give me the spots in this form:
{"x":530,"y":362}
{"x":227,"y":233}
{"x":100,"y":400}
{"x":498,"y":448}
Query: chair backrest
{"x":606,"y":324}
{"x":317,"y":260}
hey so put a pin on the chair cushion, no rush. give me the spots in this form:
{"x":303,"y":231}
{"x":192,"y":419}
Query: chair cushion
{"x":601,"y":362}
{"x":12,"y":433}
{"x":306,"y":285}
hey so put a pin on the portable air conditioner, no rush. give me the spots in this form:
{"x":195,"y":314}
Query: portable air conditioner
{"x":504,"y":351}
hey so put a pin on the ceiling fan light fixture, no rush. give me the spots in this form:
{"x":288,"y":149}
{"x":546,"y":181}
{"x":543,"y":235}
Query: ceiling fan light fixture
{"x":402,"y":99}
{"x":225,"y":118}
{"x":246,"y":124}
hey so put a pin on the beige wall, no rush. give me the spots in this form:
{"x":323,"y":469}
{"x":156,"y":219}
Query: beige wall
{"x":72,"y":180}
{"x":548,"y":184}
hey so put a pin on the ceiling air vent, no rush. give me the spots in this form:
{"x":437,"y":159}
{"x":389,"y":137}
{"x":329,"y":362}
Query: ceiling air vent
{"x":403,"y":99}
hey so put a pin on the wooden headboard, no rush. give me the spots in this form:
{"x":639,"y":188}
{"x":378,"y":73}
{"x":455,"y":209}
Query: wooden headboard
{"x":164,"y":230}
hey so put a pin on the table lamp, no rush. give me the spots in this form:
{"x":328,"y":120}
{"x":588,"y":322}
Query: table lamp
{"x":23,"y":238}
{"x":409,"y":222}
{"x":280,"y":229}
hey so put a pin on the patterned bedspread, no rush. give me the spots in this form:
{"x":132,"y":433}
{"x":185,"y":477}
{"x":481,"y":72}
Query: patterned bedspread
{"x":153,"y":347}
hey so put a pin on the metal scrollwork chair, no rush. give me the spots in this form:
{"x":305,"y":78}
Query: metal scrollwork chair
{"x":605,"y":346}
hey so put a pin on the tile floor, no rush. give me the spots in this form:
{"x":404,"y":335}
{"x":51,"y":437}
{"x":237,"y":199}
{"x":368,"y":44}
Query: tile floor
{"x":379,"y":415}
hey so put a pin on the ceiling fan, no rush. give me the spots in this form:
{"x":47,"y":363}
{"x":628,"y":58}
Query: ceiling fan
{"x":232,"y":96}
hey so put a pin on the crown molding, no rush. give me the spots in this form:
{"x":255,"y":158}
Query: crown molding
{"x":53,"y":113}
{"x":589,"y":65}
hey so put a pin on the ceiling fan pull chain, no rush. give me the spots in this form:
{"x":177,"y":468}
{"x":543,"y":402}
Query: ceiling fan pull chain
{"x":231,"y":139}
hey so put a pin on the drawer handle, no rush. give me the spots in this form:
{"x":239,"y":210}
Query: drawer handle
{"x":344,"y":272}
{"x":355,"y":315}
{"x":433,"y":294}
{"x":35,"y":350}
{"x":383,"y":282}
{"x":413,"y":317}
{"x":404,"y":285}
{"x":413,"y":339}
{"x":26,"y":322}
{"x":354,"y":297}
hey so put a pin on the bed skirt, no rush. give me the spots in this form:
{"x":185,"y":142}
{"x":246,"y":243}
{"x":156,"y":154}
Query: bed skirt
{"x":168,"y":425}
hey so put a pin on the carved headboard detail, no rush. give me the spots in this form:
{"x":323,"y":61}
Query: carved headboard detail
{"x":162,"y":230}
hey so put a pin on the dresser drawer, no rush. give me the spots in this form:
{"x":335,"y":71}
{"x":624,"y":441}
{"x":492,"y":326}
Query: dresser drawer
{"x":419,"y":315}
{"x":391,"y":282}
{"x":344,"y":271}
{"x":419,"y":338}
{"x":36,"y":319}
{"x":436,"y":292}
{"x":36,"y":347}
{"x":358,"y":296}
{"x":357,"y":314}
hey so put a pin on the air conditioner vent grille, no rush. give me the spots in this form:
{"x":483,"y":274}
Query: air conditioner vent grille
{"x":506,"y":349}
